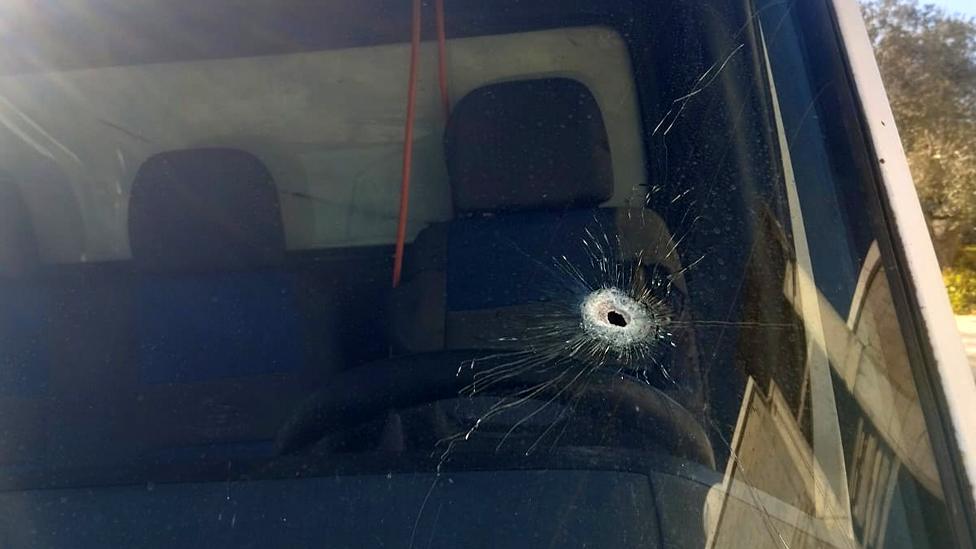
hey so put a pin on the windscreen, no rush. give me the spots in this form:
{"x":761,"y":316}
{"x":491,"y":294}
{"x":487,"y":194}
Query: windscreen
{"x":398,"y":274}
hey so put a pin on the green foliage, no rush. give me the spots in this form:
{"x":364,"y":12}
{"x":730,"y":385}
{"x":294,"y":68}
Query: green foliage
{"x":967,"y":258}
{"x":961,"y":285}
{"x":960,"y":282}
{"x":928,"y":60}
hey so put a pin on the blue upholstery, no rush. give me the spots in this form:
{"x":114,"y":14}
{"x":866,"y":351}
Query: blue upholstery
{"x":204,"y":327}
{"x":25,"y":359}
{"x":507,"y":260}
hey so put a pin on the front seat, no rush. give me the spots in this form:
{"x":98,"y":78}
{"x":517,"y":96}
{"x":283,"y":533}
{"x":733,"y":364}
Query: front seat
{"x":529,"y":165}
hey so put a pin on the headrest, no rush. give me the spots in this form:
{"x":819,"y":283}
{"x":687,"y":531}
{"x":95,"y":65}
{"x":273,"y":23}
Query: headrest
{"x":18,"y":245}
{"x":528,"y":144}
{"x":203,"y":210}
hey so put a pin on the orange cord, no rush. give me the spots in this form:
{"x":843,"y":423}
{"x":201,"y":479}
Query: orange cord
{"x":407,"y":146}
{"x":408,"y":130}
{"x":442,"y":57}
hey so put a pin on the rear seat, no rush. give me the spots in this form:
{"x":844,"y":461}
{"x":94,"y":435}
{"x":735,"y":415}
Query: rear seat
{"x":529,"y":163}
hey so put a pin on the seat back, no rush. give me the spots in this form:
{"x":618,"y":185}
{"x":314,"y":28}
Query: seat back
{"x":217,"y":327}
{"x":213,"y":300}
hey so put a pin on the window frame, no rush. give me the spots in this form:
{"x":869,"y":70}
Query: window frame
{"x":940,"y":367}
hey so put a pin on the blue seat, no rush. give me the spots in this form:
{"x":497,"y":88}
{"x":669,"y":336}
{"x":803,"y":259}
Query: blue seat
{"x":530,"y":168}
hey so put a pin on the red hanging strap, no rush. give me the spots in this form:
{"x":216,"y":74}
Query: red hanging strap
{"x":411,"y":113}
{"x":407,"y":145}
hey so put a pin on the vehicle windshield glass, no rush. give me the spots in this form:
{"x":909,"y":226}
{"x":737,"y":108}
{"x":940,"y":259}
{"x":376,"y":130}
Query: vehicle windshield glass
{"x":635,"y":292}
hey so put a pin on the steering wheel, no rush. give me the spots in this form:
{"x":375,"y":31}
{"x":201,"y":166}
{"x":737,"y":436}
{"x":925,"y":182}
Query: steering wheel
{"x":363,"y":394}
